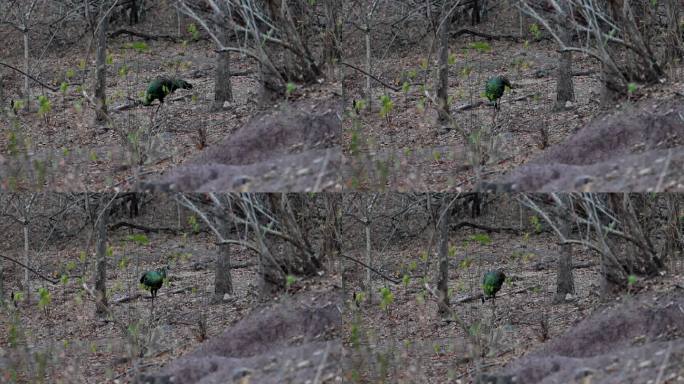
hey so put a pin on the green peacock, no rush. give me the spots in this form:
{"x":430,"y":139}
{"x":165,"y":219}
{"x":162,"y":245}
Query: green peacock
{"x":153,"y":280}
{"x":495,"y":88}
{"x":491,"y":283}
{"x":163,"y":86}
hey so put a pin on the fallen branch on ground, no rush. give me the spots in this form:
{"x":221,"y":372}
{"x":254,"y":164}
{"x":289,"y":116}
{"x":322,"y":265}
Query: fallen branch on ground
{"x":143,"y":228}
{"x":126,"y":299}
{"x":136,"y":296}
{"x":468,"y":31}
{"x":477,"y":104}
{"x":575,"y":73}
{"x":243,"y":73}
{"x":584,"y":73}
{"x":243,"y":265}
{"x":466,"y":107}
{"x":524,"y":97}
{"x":483,"y":227}
{"x":127,"y":106}
{"x":542,"y":265}
{"x":478,"y":296}
{"x":125,"y":31}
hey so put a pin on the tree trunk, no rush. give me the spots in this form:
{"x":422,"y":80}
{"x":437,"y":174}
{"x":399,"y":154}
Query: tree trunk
{"x":223,"y":283}
{"x":133,"y":9}
{"x":299,"y":63}
{"x":565,"y":281}
{"x":565,"y":91}
{"x":673,"y":250}
{"x":303,"y":258}
{"x":369,"y":259}
{"x":272,"y":87}
{"x":369,"y":69}
{"x":179,"y":24}
{"x":522,"y":24}
{"x":621,"y":258}
{"x":443,"y":276}
{"x":612,"y":86}
{"x":223,"y":90}
{"x":475,"y":17}
{"x":272,"y":275}
{"x":2,"y":282}
{"x":27,"y":261}
{"x":100,"y":277}
{"x":332,"y":52}
{"x":332,"y":246}
{"x":443,"y":74}
{"x":2,"y":93}
{"x":640,"y":255}
{"x":101,"y":71}
{"x":27,"y":88}
{"x":674,"y":45}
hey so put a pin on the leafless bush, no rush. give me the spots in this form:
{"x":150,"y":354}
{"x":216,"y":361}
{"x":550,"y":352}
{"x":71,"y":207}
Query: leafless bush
{"x":279,"y":35}
{"x":634,"y":40}
{"x":627,"y":231}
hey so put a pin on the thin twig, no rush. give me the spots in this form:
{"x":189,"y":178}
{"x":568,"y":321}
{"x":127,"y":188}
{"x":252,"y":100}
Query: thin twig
{"x":145,"y":36}
{"x":31,"y":269}
{"x":372,"y":269}
{"x":395,"y":89}
{"x":31,"y":77}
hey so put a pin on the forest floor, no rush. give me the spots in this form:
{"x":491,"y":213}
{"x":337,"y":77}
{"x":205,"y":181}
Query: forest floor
{"x":410,"y":342}
{"x":67,"y":342}
{"x":65,"y":150}
{"x":409,"y":151}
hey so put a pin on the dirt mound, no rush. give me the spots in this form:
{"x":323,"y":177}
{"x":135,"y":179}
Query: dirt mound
{"x":632,"y":343}
{"x":293,"y":147}
{"x":283,"y":343}
{"x":638,"y":148}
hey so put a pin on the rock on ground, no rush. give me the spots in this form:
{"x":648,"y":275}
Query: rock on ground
{"x":635,"y":342}
{"x":639,"y":148}
{"x":289,"y":342}
{"x":293,"y":147}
